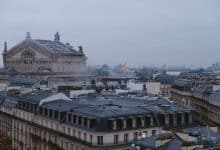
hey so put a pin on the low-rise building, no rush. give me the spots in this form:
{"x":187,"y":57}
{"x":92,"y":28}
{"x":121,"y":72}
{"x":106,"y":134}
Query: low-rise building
{"x":186,"y":139}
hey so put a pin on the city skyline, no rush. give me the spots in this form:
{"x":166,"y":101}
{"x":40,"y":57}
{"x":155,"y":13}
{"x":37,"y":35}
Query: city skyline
{"x":140,"y":32}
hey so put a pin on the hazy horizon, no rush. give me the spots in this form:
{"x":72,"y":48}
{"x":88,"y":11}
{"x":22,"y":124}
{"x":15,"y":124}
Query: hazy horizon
{"x":140,"y":32}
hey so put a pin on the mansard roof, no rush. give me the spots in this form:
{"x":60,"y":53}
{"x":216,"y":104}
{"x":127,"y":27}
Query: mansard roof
{"x":35,"y":96}
{"x":113,"y":106}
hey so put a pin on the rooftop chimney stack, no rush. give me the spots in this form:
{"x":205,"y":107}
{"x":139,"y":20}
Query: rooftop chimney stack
{"x":28,"y":36}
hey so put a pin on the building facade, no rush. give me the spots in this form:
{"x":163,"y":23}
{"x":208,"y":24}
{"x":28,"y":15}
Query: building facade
{"x":43,"y":56}
{"x":46,"y":120}
{"x":201,"y":98}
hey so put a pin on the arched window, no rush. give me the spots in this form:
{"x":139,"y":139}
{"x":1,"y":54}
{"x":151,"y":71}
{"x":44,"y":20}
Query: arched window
{"x":28,"y":57}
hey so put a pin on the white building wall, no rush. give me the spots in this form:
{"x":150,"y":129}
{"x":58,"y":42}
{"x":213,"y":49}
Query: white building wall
{"x":153,"y":88}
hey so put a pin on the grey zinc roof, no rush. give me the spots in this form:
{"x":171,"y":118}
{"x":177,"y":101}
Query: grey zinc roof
{"x":62,"y":105}
{"x":35,"y":96}
{"x":22,"y":81}
{"x":182,"y":82}
{"x":204,"y":131}
{"x":215,"y":96}
{"x":10,"y":102}
{"x":57,"y":47}
{"x":165,"y":79}
{"x":112,"y":106}
{"x":150,"y":142}
{"x":174,"y":144}
{"x":108,"y":111}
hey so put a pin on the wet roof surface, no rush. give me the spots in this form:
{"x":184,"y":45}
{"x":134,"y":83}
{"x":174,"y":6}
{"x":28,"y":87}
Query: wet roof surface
{"x":36,"y":96}
{"x":56,"y":46}
{"x":104,"y":106}
{"x":113,"y":106}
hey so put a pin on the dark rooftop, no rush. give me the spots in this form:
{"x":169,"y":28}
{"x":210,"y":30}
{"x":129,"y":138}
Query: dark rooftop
{"x":35,"y":96}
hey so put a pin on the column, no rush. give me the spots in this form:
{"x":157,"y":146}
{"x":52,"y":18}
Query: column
{"x":77,"y":120}
{"x":133,"y":122}
{"x":59,"y":115}
{"x":88,"y":123}
{"x":183,"y":119}
{"x":82,"y":123}
{"x":43,"y":111}
{"x":71,"y":119}
{"x":167,"y":119}
{"x":142,"y":121}
{"x":190,"y":118}
{"x":53,"y":113}
{"x":151,"y":121}
{"x":48,"y":112}
{"x":114,"y":123}
{"x":174,"y":119}
{"x":124,"y":123}
{"x":67,"y":117}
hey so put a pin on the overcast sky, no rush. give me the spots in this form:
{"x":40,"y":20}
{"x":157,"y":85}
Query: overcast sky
{"x":142,"y":32}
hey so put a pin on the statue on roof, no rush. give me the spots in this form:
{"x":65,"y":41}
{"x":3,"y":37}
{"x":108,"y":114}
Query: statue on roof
{"x":5,"y":47}
{"x":57,"y":37}
{"x":80,"y":49}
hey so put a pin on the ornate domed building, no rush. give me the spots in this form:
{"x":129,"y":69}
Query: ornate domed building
{"x":37,"y":56}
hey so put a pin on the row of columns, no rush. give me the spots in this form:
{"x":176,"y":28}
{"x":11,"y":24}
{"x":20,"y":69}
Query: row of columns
{"x":143,"y":122}
{"x":183,"y":121}
{"x":83,"y":119}
{"x":133,"y":122}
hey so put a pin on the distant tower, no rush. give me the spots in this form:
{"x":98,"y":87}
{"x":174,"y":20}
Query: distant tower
{"x":57,"y":37}
{"x":5,"y":47}
{"x":164,"y":70}
{"x":28,"y":36}
{"x":125,"y":65}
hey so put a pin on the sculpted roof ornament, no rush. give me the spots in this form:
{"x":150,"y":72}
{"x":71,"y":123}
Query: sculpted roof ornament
{"x":5,"y":47}
{"x":80,"y":49}
{"x":28,"y":36}
{"x":57,"y":37}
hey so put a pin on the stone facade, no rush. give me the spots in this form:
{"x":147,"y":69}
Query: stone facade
{"x":44,"y":56}
{"x":206,"y":112}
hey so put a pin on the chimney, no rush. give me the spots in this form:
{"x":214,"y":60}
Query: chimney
{"x":28,"y":36}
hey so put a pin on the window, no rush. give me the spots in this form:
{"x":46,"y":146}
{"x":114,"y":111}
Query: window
{"x":61,"y":143}
{"x":91,"y":139}
{"x":74,"y":132}
{"x":67,"y":147}
{"x":135,"y":135}
{"x":52,"y":125}
{"x":126,"y":138}
{"x":100,"y":140}
{"x":85,"y":136}
{"x":57,"y":126}
{"x":115,"y":139}
{"x":144,"y":135}
{"x":71,"y":146}
{"x":68,"y":130}
{"x":79,"y":134}
{"x":45,"y":122}
{"x":153,"y":132}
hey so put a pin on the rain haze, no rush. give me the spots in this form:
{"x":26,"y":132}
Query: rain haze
{"x":141,"y":32}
